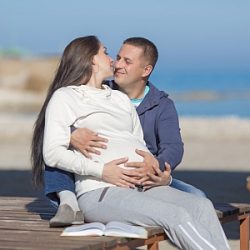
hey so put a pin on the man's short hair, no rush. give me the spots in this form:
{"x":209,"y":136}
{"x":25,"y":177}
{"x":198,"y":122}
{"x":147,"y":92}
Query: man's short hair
{"x":149,"y":49}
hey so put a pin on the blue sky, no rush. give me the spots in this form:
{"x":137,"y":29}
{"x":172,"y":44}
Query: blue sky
{"x":190,"y":34}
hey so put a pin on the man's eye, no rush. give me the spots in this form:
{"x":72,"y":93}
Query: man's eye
{"x":128,"y":62}
{"x":106,"y":52}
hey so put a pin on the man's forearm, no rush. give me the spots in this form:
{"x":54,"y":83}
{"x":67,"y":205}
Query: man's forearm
{"x":172,"y":155}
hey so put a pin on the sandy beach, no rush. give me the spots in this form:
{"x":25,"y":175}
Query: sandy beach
{"x":216,"y":158}
{"x":220,"y":144}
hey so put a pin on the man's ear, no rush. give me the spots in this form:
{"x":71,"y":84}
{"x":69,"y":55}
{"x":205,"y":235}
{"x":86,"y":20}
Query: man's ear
{"x":147,"y":70}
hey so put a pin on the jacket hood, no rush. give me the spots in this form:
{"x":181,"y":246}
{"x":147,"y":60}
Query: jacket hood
{"x":152,"y":99}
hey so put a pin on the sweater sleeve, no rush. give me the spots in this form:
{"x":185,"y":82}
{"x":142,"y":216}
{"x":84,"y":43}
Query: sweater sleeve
{"x":58,"y":119}
{"x":170,"y":145}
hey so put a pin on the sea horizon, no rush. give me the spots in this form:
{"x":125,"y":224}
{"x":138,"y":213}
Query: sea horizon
{"x":210,"y":93}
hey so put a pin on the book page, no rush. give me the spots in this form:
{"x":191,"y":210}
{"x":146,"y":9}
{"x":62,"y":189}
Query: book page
{"x":88,"y":229}
{"x":121,"y":229}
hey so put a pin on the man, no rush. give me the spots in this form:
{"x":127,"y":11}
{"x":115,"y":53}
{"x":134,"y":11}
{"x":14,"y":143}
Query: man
{"x":134,"y":64}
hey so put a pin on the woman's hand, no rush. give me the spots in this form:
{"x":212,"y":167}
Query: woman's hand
{"x":114,"y":174}
{"x":159,"y":178}
{"x":86,"y":141}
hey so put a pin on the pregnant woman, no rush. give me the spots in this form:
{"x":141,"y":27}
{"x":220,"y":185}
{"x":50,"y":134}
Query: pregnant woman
{"x":78,"y":98}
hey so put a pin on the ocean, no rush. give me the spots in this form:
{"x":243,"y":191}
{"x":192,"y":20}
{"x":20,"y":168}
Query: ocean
{"x":207,"y":93}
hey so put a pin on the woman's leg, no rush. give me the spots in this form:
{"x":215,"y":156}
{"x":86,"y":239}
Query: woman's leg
{"x":200,"y":208}
{"x":134,"y":207}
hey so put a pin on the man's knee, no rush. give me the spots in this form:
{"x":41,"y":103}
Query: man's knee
{"x":185,"y":187}
{"x":196,"y":192}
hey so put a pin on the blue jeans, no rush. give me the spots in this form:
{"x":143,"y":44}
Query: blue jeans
{"x":57,"y":180}
{"x":185,"y":187}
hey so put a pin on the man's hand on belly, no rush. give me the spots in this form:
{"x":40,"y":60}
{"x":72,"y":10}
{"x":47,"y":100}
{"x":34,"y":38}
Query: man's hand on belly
{"x":141,"y":169}
{"x":159,"y":178}
{"x":87,"y":142}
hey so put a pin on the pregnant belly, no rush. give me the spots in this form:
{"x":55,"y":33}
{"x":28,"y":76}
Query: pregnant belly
{"x":122,"y":147}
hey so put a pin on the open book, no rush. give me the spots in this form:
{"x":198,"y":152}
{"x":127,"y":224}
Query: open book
{"x":113,"y":228}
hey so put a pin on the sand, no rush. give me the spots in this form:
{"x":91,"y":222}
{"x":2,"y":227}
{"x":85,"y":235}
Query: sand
{"x":220,"y":144}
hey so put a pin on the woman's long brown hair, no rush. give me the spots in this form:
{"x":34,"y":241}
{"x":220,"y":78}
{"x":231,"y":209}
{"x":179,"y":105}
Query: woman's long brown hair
{"x":75,"y":68}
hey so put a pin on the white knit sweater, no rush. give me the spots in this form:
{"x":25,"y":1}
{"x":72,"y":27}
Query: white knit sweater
{"x":105,"y":111}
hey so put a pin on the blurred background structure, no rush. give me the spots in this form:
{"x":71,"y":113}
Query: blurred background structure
{"x":204,"y":65}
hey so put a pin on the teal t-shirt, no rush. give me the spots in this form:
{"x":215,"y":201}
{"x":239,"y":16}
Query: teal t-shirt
{"x":137,"y":101}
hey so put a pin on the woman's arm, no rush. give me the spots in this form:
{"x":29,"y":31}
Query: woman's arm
{"x":59,"y":117}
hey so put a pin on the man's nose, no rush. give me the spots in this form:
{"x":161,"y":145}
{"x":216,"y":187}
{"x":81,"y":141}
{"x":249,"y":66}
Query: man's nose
{"x":118,"y":64}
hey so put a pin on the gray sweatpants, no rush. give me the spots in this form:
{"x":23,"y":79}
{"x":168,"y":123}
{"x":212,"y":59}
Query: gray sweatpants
{"x":189,"y":221}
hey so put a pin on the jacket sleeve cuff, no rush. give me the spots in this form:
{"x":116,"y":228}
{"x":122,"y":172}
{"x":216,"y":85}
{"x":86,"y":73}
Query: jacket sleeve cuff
{"x":161,"y":163}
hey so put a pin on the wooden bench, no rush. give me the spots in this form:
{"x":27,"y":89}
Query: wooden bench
{"x":24,"y":225}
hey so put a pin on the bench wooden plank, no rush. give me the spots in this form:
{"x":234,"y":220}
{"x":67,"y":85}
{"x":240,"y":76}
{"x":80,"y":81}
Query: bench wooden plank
{"x":52,"y":240}
{"x":225,"y":209}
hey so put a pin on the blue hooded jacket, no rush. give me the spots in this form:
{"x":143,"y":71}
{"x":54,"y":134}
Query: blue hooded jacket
{"x":160,"y":126}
